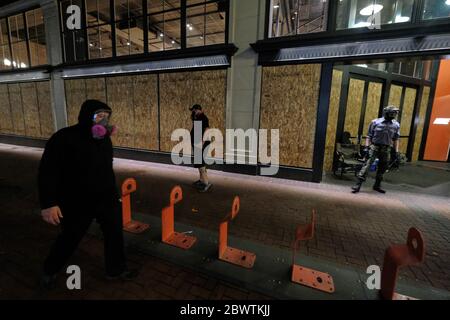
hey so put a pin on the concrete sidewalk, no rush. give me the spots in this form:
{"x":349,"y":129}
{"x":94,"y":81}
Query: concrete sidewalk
{"x":352,"y":231}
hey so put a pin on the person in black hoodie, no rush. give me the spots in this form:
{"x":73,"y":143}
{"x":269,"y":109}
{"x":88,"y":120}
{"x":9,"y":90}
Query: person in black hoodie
{"x":77,"y":185}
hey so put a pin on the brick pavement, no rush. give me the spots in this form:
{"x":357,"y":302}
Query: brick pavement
{"x":351,"y":230}
{"x":25,"y":240}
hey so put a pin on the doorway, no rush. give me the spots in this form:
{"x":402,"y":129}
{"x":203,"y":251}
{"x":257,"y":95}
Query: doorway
{"x":363,"y":100}
{"x":364,"y":103}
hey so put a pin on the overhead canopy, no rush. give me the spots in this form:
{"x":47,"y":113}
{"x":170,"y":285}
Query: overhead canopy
{"x":375,"y":49}
{"x":149,"y":66}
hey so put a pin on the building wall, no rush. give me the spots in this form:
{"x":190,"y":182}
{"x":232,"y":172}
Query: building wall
{"x":179,"y":91}
{"x":290,"y":96}
{"x":438,"y":141}
{"x":333,"y":115}
{"x":26,"y":110}
{"x":148,"y":108}
{"x":421,"y":123}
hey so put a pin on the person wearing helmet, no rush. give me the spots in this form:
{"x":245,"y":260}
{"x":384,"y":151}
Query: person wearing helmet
{"x":384,"y":134}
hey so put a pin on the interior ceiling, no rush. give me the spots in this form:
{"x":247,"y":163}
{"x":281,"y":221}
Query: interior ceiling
{"x":300,"y":14}
{"x":130,"y":36}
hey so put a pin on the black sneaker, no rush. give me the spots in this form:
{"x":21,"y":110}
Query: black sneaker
{"x":205,"y":188}
{"x":378,"y":189}
{"x":356,"y":188}
{"x":197,"y":183}
{"x":127,"y":275}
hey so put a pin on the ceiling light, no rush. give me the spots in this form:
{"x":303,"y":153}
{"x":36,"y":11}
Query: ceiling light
{"x":442,"y":121}
{"x":400,"y":19}
{"x":371,"y":9}
{"x":7,"y":62}
{"x":362,"y":24}
{"x":23,"y":65}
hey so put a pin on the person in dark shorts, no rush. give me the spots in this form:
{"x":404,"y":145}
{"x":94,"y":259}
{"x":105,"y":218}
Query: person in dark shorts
{"x":198,"y":117}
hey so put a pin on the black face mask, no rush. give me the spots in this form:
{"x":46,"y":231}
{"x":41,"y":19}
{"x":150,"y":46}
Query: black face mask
{"x":390,"y":116}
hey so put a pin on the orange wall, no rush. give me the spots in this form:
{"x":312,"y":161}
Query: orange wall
{"x":438,"y":141}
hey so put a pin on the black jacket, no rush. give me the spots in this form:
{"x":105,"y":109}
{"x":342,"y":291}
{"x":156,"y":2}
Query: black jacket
{"x":75,"y":168}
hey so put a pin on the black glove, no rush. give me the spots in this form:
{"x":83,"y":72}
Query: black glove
{"x":365,"y":153}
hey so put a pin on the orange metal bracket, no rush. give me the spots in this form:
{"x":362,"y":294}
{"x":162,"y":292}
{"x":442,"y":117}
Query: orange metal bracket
{"x":398,"y":256}
{"x":228,"y":254}
{"x":169,"y":235}
{"x":305,"y":276}
{"x":129,"y":225}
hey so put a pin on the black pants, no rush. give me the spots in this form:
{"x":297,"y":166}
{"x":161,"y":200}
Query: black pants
{"x":107,"y":212}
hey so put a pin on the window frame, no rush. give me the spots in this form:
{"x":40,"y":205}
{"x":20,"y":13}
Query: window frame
{"x":145,"y":17}
{"x":23,"y":13}
{"x":430,"y":26}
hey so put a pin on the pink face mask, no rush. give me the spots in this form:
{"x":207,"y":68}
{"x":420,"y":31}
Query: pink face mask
{"x":103,"y":129}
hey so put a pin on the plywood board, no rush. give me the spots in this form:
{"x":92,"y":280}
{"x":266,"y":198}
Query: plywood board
{"x":6,"y":121}
{"x":333,"y":115}
{"x":96,"y":89}
{"x":30,"y":109}
{"x":145,"y":102}
{"x":354,"y":106}
{"x":421,"y":124}
{"x":46,"y":116}
{"x":373,"y":104}
{"x":403,"y":147}
{"x":120,"y":99}
{"x":290,"y":96}
{"x":179,"y":91}
{"x":408,"y":111}
{"x":75,"y":96}
{"x":395,"y":96}
{"x":15,"y":99}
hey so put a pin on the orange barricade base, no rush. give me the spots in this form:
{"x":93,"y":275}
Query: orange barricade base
{"x":232,"y":255}
{"x":305,"y":276}
{"x":169,"y":236}
{"x":129,"y":225}
{"x":312,"y":278}
{"x":397,"y":256}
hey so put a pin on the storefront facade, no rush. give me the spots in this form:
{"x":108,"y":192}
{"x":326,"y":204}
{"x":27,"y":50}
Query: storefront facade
{"x":312,"y":69}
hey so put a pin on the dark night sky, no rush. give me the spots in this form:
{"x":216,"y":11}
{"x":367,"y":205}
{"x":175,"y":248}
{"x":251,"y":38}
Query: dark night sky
{"x":5,"y":2}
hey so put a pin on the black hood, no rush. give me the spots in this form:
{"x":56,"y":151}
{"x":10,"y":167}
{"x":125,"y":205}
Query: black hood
{"x":88,"y":109}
